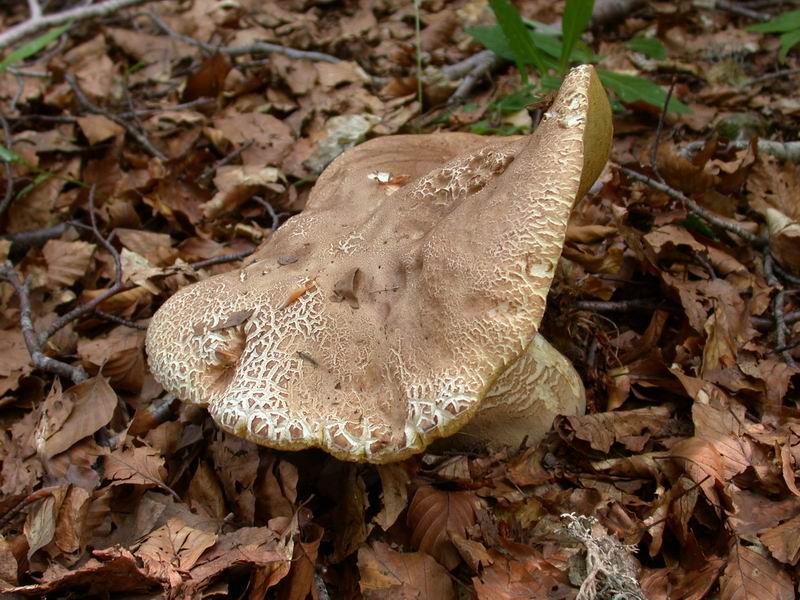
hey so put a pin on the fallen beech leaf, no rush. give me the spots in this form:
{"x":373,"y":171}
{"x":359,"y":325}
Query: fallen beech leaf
{"x":8,"y":566}
{"x":750,"y":575}
{"x":401,"y":575}
{"x":111,"y":570}
{"x":87,"y":407}
{"x":139,"y":466}
{"x":521,"y":573}
{"x":474,"y":553}
{"x":434,"y":515}
{"x":783,"y":541}
{"x":173,"y":549}
{"x":205,"y":493}
{"x":70,"y":520}
{"x":632,"y":428}
{"x":98,"y":128}
{"x":209,"y":80}
{"x":67,"y":262}
{"x":703,"y":464}
{"x":40,"y":524}
{"x":394,"y":485}
{"x":259,"y":548}
{"x":300,"y":580}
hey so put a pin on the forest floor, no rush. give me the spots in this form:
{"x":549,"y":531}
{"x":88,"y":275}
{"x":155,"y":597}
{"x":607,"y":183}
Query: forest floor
{"x":162,"y":142}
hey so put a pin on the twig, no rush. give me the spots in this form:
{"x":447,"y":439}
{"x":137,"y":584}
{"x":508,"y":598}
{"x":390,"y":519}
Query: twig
{"x":219,"y":260}
{"x":39,"y":359}
{"x":738,"y":9}
{"x":780,"y":150}
{"x":89,"y":106}
{"x":275,"y":216}
{"x":8,"y":172}
{"x":618,"y":305}
{"x":35,"y":237}
{"x":146,"y":112}
{"x":777,"y":309}
{"x":783,"y":274}
{"x":694,"y":207}
{"x":206,"y":176}
{"x":90,"y":306}
{"x":485,"y":63}
{"x":38,"y":22}
{"x":256,"y":48}
{"x":119,"y":320}
{"x":773,"y":75}
{"x":659,"y":129}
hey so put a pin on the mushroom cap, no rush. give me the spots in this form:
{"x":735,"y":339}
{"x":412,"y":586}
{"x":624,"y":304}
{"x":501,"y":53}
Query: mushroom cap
{"x":379,"y":319}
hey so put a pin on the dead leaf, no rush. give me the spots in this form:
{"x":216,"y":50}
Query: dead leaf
{"x":434,"y":516}
{"x":394,"y":494}
{"x":401,"y":575}
{"x":632,"y":428}
{"x":141,"y":465}
{"x":172,"y":550}
{"x":67,"y":262}
{"x":98,"y":128}
{"x":70,"y":416}
{"x":751,"y":575}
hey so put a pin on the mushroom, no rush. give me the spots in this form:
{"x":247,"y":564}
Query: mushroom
{"x":402,"y":305}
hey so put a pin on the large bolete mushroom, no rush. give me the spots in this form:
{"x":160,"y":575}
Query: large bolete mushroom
{"x":402,"y":305}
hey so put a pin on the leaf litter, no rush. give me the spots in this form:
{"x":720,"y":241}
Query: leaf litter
{"x":153,"y":146}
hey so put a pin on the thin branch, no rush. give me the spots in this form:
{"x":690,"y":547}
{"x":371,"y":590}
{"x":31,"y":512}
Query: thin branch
{"x":659,"y":129}
{"x":743,"y":11}
{"x":778,"y":309}
{"x":695,"y":208}
{"x":275,"y":216}
{"x":89,"y":106}
{"x":35,"y":237}
{"x":8,"y":172}
{"x":773,"y":75}
{"x":618,"y":305}
{"x":206,"y":176}
{"x":784,"y":274}
{"x":256,"y":48}
{"x":90,"y":306}
{"x":220,"y":260}
{"x":781,"y":150}
{"x":39,"y":22}
{"x":39,"y":359}
{"x":119,"y":320}
{"x":485,"y":62}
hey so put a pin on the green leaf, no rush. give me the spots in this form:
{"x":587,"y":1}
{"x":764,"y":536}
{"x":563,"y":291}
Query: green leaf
{"x":630,"y":88}
{"x":788,"y":41}
{"x":517,"y":36}
{"x":694,"y":223}
{"x":8,"y":155}
{"x":788,"y":21}
{"x":577,"y":14}
{"x":33,"y":47}
{"x":650,"y":47}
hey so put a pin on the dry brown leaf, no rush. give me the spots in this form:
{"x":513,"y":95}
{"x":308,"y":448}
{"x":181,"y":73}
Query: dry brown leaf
{"x":750,"y":575}
{"x":783,"y":541}
{"x":298,"y":584}
{"x":155,"y":247}
{"x":70,"y":520}
{"x":112,"y":570}
{"x":631,"y":428}
{"x":236,"y":464}
{"x":703,"y":464}
{"x":40,"y":524}
{"x":401,"y":575}
{"x":141,"y":465}
{"x":205,"y":493}
{"x":774,"y":185}
{"x":434,"y":515}
{"x":172,"y":550}
{"x":256,"y":547}
{"x":237,"y":184}
{"x":73,"y":414}
{"x":67,"y":262}
{"x":521,"y":573}
{"x":394,"y":486}
{"x":120,"y":356}
{"x":8,"y":566}
{"x":98,"y":128}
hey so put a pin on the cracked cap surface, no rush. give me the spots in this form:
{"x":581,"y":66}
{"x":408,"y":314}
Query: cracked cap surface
{"x":378,"y":319}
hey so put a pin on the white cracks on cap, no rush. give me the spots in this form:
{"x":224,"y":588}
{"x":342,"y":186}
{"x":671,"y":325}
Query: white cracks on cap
{"x":454,"y":239}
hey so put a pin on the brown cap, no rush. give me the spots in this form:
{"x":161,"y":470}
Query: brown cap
{"x":379,"y":319}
